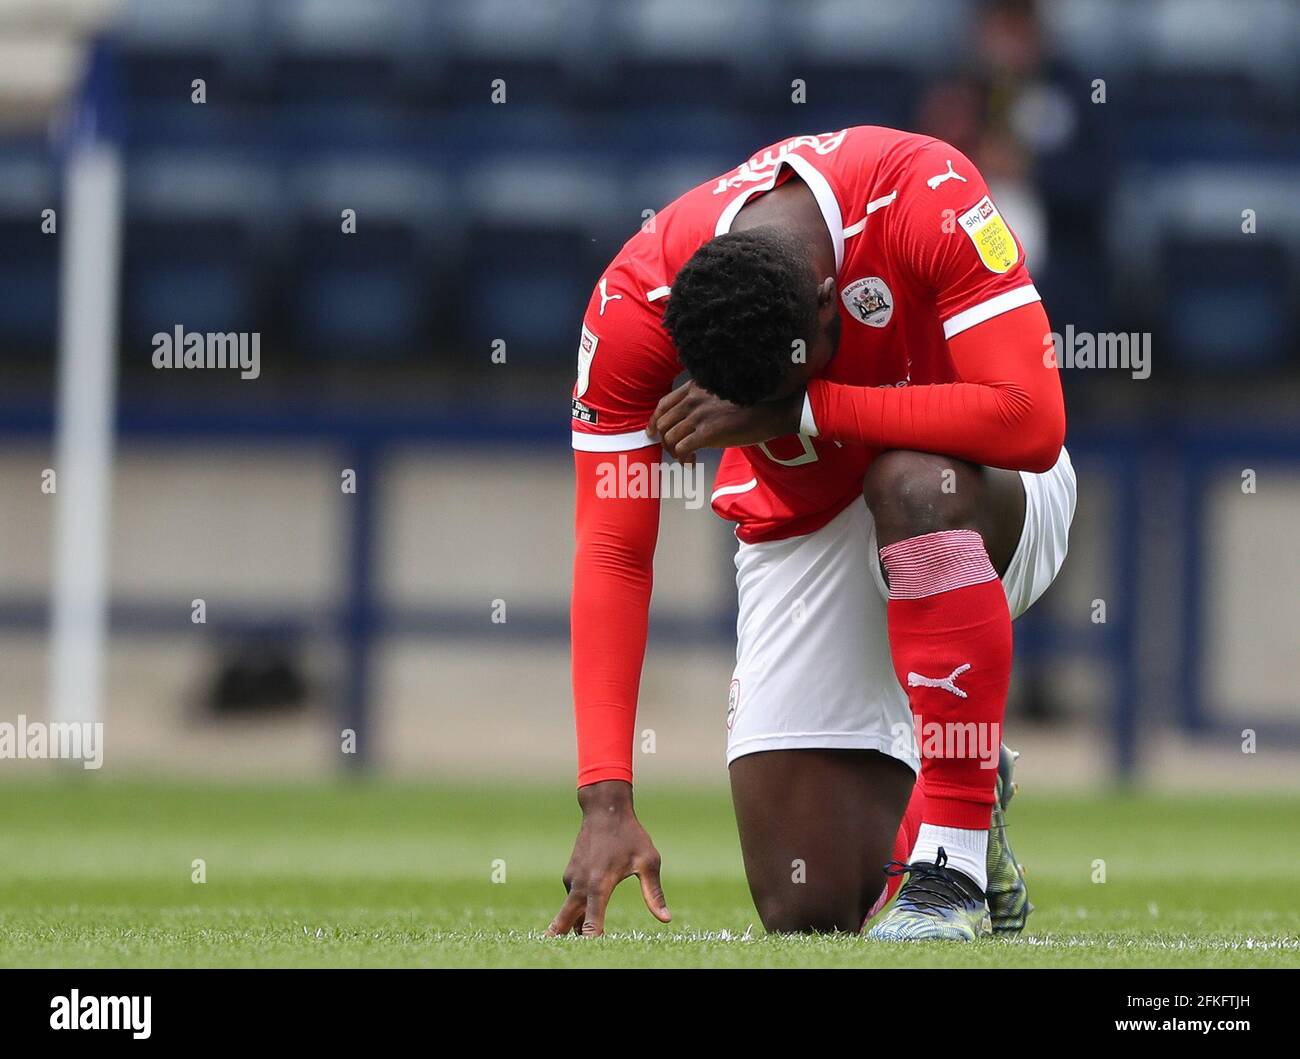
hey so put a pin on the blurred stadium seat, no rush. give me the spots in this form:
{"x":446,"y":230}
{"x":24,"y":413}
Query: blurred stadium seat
{"x":529,"y":250}
{"x":379,"y":290}
{"x":197,"y":233}
{"x":542,"y":52}
{"x":681,"y":52}
{"x":167,"y":44}
{"x":29,"y":266}
{"x":1227,"y":304}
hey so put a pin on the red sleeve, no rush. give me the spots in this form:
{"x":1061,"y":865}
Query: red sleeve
{"x":1007,"y":412}
{"x":609,"y":615}
{"x":625,"y":365}
{"x":949,"y":237}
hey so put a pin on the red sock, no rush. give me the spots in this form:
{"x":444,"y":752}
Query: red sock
{"x":950,"y":637}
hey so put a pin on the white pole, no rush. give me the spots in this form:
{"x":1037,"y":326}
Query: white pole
{"x":89,"y":267}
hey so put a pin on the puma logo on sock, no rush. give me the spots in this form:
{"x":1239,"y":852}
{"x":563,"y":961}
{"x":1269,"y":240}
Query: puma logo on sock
{"x":948,"y":683}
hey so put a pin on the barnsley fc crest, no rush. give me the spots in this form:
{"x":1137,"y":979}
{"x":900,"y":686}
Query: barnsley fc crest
{"x":869,"y":300}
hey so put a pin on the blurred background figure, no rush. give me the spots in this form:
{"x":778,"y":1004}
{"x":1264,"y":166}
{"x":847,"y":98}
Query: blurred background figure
{"x":361,"y":556}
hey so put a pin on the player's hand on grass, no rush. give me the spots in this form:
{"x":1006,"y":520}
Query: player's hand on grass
{"x":690,"y":418}
{"x":611,"y":846}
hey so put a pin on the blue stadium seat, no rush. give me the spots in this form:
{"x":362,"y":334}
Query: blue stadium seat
{"x":1096,"y":36}
{"x":380,"y":291}
{"x":541,"y":52}
{"x":864,"y":60}
{"x":531,"y":255}
{"x":473,"y":132}
{"x":1167,"y":140}
{"x":29,"y":266}
{"x":641,"y":137}
{"x":1258,"y":39}
{"x":333,"y":52}
{"x":1174,"y":95}
{"x":335,"y":126}
{"x":199,"y":227}
{"x":1193,"y":44}
{"x":1227,"y":304}
{"x":1074,"y":290}
{"x":173,"y":129}
{"x":347,"y":51}
{"x":682,"y":52}
{"x":166,"y":44}
{"x":1180,"y":261}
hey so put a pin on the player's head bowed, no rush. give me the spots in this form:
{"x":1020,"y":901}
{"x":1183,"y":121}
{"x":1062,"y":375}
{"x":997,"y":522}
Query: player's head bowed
{"x":744,"y":316}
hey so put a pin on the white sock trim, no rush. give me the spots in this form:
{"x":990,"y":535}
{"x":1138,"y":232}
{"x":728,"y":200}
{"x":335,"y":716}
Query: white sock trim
{"x":967,"y":850}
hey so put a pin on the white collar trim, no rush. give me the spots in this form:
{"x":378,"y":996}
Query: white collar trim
{"x":817,"y":184}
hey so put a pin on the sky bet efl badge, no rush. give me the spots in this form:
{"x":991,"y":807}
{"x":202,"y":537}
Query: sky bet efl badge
{"x":992,"y":238}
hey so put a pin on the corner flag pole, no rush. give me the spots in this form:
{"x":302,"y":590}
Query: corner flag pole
{"x":84,"y":425}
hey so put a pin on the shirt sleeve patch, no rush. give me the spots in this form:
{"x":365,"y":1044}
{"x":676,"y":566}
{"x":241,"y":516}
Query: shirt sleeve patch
{"x":990,"y":235}
{"x":586,"y":352}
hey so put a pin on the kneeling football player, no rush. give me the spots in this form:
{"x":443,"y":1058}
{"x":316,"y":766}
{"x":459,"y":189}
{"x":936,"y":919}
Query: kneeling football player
{"x":863,"y":338}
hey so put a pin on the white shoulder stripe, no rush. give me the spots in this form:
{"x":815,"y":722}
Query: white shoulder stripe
{"x":657,"y":293}
{"x":995,"y":306}
{"x":729,"y":490}
{"x":872,"y":206}
{"x":637,"y":439}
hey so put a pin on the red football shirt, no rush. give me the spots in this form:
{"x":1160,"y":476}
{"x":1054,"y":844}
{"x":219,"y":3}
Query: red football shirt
{"x":922,"y":255}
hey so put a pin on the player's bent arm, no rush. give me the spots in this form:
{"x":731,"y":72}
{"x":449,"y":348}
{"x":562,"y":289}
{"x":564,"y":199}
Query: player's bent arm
{"x":613,"y":569}
{"x":1007,"y":412}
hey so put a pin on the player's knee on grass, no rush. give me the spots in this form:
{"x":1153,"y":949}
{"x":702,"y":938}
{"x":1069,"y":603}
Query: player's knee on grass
{"x":792,"y":909}
{"x":816,"y":827}
{"x":914,"y":493}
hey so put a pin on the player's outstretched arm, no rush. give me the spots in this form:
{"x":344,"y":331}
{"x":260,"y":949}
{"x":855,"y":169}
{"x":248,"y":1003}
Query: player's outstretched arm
{"x":612,"y":845}
{"x":612,"y":577}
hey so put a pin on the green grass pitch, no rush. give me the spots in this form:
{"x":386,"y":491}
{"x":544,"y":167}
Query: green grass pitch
{"x":98,"y":874}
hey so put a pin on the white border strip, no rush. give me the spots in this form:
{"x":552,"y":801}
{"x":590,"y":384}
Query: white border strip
{"x":996,"y":306}
{"x":826,"y":200}
{"x":872,"y":206}
{"x":637,"y":439}
{"x":657,"y":293}
{"x":728,"y":215}
{"x":731,"y":490}
{"x":807,"y":424}
{"x":817,"y":184}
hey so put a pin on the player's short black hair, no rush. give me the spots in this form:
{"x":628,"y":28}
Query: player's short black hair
{"x":737,"y":307}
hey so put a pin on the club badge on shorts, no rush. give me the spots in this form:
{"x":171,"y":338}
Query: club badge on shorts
{"x":993,"y":240}
{"x":869,"y":300}
{"x":733,"y":703}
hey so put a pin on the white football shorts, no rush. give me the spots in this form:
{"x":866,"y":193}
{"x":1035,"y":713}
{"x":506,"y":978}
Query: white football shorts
{"x":813,"y":668}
